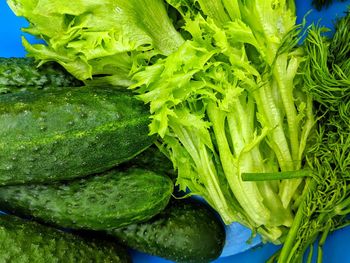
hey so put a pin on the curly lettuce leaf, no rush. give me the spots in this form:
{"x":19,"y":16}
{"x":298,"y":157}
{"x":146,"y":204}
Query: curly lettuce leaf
{"x":103,"y":41}
{"x":219,"y":115}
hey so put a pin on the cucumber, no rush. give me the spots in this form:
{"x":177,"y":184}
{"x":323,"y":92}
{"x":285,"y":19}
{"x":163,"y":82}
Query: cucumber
{"x":64,"y":133}
{"x":23,"y":241}
{"x":186,"y":231}
{"x":110,"y":200}
{"x":18,"y":72}
{"x":152,"y":159}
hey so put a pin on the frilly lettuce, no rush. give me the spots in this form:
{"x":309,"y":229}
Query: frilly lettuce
{"x":229,"y":102}
{"x":98,"y":40}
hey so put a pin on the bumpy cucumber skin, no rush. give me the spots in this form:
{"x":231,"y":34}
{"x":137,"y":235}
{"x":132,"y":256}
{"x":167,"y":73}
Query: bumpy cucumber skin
{"x":23,"y":241}
{"x":152,"y":159}
{"x":65,"y":133}
{"x":112,"y":200}
{"x":17,"y":72}
{"x":186,"y":231}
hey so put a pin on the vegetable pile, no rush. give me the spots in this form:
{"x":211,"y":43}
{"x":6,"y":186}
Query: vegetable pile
{"x":253,"y":121}
{"x":80,"y":158}
{"x":221,"y":83}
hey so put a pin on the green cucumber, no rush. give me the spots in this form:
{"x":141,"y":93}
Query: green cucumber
{"x":23,"y":241}
{"x":64,"y":133}
{"x":18,"y":72}
{"x":152,"y":159}
{"x":186,"y":231}
{"x":15,"y":89}
{"x":110,"y":200}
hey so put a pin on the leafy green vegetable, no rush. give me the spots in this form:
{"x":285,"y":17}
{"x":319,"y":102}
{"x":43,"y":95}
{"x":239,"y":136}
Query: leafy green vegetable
{"x":221,"y":80}
{"x":327,"y":68}
{"x":327,"y":203}
{"x":102,"y":39}
{"x":227,"y":102}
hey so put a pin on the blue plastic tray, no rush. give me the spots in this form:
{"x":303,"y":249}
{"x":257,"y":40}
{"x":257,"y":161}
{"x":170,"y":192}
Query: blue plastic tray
{"x":236,"y":248}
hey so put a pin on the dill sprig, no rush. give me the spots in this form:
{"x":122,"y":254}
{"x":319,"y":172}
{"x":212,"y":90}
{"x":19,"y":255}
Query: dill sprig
{"x":327,"y":68}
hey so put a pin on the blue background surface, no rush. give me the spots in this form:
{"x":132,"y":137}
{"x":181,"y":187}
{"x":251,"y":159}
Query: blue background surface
{"x":236,"y":250}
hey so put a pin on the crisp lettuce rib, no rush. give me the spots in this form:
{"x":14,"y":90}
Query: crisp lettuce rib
{"x":251,"y":113}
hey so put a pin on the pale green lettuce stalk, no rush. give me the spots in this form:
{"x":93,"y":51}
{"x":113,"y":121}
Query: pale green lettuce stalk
{"x":271,"y":21}
{"x":228,"y":102}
